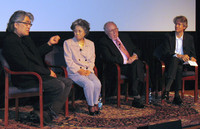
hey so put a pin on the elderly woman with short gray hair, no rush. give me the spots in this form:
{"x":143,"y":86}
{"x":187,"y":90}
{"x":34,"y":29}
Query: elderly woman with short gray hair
{"x":79,"y":54}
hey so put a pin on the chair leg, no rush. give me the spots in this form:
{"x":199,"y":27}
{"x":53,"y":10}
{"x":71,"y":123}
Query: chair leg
{"x":6,"y":111}
{"x":41,"y":110}
{"x":147,"y":91}
{"x":196,"y":91}
{"x":126,"y":96}
{"x":16,"y":108}
{"x":103,"y":82}
{"x":103,"y":92}
{"x":147,"y":86}
{"x":118,"y":94}
{"x":73,"y":96}
{"x":163,"y":87}
{"x":156,"y":88}
{"x":183,"y":89}
{"x":66,"y":107}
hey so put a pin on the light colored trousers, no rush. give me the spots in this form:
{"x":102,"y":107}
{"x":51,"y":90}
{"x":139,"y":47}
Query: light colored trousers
{"x":91,"y":86}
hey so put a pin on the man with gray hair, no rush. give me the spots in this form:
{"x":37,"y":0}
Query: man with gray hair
{"x":21,"y":53}
{"x":118,"y":48}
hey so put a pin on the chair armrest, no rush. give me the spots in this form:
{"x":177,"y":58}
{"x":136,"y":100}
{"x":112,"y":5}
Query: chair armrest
{"x":196,"y":72}
{"x":118,"y":71}
{"x":60,"y":67}
{"x":162,"y":66}
{"x":147,"y":69}
{"x":95,"y":71}
{"x":8,"y":71}
{"x":146,"y":66}
{"x":22,"y":73}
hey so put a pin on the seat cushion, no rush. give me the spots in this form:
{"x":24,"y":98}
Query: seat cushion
{"x":15,"y":90}
{"x":123,"y":77}
{"x":188,"y":73}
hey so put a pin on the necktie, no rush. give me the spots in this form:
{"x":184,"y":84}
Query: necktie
{"x":122,"y":48}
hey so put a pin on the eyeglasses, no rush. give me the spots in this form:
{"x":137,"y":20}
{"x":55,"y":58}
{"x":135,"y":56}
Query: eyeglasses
{"x":113,"y":30}
{"x":78,"y":31}
{"x":26,"y":23}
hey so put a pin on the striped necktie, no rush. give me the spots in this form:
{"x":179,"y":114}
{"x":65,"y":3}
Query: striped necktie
{"x":122,"y":48}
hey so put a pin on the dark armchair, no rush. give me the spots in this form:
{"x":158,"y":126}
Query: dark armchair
{"x":12,"y":92}
{"x":186,"y":74}
{"x":122,"y":79}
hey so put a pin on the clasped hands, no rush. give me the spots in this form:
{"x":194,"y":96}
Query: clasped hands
{"x":84,"y":72}
{"x":186,"y":58}
{"x":132,"y":59}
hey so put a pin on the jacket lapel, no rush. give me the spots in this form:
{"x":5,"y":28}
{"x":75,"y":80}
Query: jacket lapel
{"x":185,"y":43}
{"x":113,"y":47}
{"x":173,"y":42}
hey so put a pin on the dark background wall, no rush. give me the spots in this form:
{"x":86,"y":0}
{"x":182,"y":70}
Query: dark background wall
{"x":146,"y":42}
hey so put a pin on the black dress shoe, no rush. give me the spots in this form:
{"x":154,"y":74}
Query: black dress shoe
{"x":97,"y":111}
{"x":91,"y":113}
{"x":90,"y":109}
{"x":165,"y":95}
{"x":52,"y":113}
{"x":137,"y":103}
{"x":35,"y":117}
{"x":177,"y":100}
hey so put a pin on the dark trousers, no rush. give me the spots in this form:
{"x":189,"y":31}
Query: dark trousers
{"x":135,"y":73}
{"x":55,"y":93}
{"x":174,"y":73}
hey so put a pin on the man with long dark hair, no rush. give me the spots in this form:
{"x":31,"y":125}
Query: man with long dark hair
{"x":20,"y":52}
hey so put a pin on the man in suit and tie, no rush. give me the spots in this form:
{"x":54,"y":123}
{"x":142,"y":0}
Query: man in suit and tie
{"x":177,"y":49}
{"x":21,"y":53}
{"x":118,"y":48}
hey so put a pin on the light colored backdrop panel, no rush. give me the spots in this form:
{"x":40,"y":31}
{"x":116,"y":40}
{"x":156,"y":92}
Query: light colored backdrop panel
{"x":130,"y":15}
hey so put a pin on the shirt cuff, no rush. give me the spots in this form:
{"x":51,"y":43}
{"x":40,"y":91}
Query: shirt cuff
{"x":175,"y":55}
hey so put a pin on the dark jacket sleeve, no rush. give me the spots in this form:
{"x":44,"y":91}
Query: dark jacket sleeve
{"x":189,"y":47}
{"x":109,"y":53}
{"x":130,"y":45}
{"x":43,"y":49}
{"x":23,"y":58}
{"x":168,"y":49}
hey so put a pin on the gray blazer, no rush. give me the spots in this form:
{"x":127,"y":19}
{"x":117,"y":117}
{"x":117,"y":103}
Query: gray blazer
{"x":78,"y":58}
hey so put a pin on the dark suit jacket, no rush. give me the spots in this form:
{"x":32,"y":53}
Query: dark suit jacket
{"x":110,"y":52}
{"x":170,"y":41}
{"x":22,"y":55}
